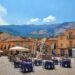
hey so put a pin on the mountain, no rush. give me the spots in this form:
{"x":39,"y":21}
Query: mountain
{"x":27,"y":30}
{"x":64,"y":26}
{"x":37,"y":30}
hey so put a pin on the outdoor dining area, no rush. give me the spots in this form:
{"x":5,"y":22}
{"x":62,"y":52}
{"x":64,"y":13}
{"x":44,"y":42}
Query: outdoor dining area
{"x":21,"y":58}
{"x":66,"y":63}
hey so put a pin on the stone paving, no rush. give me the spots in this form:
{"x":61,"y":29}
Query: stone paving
{"x":7,"y":68}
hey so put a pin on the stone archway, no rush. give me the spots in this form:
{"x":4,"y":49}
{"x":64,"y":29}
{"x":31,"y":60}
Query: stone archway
{"x":53,"y":46}
{"x":53,"y":49}
{"x":1,"y":47}
{"x":4,"y":47}
{"x":8,"y":47}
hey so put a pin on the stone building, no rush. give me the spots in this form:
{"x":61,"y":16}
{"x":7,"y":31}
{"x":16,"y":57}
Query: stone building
{"x":66,"y":42}
{"x":60,"y":45}
{"x":7,"y":41}
{"x":51,"y":44}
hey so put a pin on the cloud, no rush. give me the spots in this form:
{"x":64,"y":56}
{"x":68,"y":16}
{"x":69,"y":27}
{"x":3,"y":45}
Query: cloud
{"x":3,"y":12}
{"x":3,"y":22}
{"x":49,"y":19}
{"x":33,"y":21}
{"x":37,"y":21}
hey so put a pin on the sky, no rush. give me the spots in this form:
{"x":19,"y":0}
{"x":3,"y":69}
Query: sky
{"x":36,"y":12}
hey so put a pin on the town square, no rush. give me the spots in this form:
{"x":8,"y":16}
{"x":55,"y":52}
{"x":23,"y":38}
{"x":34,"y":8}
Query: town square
{"x":37,"y":37}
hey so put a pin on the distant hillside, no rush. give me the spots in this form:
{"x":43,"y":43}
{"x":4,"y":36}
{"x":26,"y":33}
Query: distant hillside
{"x":37,"y":30}
{"x":64,"y":26}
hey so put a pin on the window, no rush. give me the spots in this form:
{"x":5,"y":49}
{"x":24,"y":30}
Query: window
{"x":70,"y":35}
{"x":61,"y":37}
{"x":67,"y":36}
{"x":62,"y":52}
{"x":17,"y":44}
{"x":61,"y":44}
{"x":26,"y":45}
{"x":70,"y":43}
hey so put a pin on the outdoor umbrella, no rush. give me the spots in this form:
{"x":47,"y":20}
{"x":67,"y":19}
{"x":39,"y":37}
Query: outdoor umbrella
{"x":1,"y":51}
{"x":18,"y":48}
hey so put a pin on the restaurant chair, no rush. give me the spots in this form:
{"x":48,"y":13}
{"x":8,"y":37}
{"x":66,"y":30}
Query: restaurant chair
{"x":17,"y":64}
{"x":37,"y":62}
{"x":55,"y":61}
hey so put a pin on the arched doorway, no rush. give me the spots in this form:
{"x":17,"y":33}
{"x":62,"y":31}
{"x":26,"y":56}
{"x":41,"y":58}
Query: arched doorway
{"x":53,"y":49}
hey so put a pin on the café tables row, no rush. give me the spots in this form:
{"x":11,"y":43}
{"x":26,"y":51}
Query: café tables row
{"x":28,"y":65}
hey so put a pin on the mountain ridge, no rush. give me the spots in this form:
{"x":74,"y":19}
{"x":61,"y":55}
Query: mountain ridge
{"x":41,"y":30}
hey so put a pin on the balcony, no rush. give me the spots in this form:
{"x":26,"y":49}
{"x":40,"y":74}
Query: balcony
{"x":71,"y":37}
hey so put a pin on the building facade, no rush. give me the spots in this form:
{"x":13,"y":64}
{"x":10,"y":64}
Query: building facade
{"x":60,"y":45}
{"x":66,"y":42}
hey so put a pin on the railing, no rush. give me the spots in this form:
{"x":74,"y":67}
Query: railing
{"x":71,"y":37}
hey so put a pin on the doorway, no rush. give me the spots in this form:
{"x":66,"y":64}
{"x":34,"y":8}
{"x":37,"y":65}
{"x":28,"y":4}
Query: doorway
{"x":70,"y":52}
{"x":62,"y":52}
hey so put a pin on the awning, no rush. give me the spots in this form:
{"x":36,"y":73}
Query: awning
{"x":18,"y":48}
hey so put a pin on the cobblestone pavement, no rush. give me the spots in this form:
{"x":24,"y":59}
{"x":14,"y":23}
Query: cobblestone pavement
{"x":7,"y":68}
